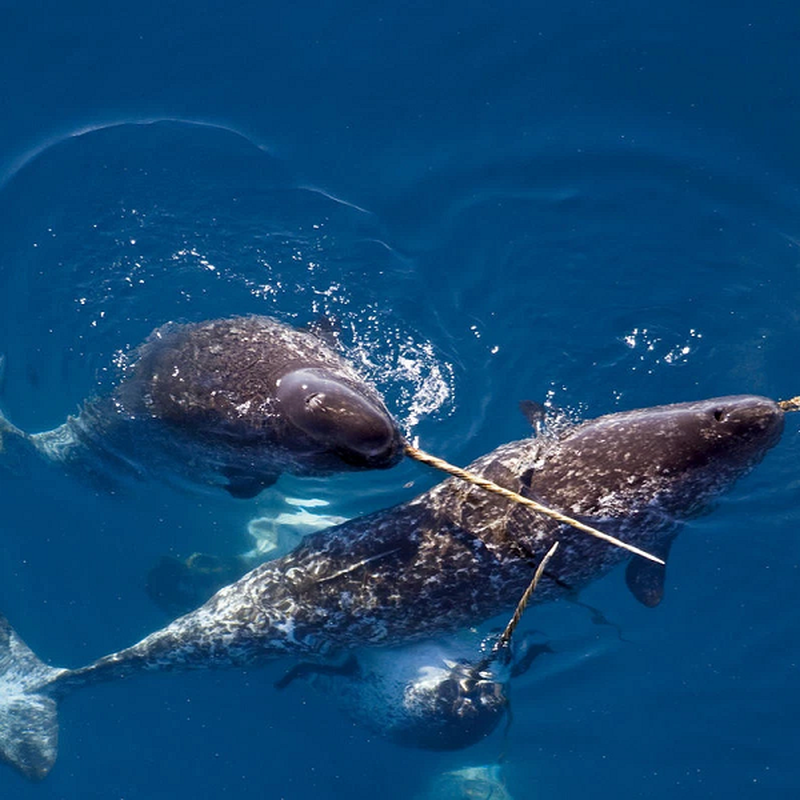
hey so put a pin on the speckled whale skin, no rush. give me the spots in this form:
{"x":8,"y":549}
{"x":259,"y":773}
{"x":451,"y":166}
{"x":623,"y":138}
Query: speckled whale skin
{"x":455,"y":555}
{"x":199,"y":404}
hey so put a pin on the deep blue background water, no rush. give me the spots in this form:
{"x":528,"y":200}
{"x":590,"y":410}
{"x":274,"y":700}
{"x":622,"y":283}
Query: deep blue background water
{"x":591,"y":203}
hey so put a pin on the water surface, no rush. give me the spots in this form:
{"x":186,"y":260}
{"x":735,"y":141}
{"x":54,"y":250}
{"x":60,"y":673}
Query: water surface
{"x":594,"y":206}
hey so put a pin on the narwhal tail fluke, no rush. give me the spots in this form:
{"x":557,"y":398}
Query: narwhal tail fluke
{"x":28,"y":714}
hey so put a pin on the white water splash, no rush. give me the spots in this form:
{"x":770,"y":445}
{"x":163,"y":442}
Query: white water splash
{"x":422,"y":382}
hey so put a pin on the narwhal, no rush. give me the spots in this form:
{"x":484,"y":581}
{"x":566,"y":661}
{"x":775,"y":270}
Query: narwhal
{"x":233,"y":402}
{"x":448,"y":559}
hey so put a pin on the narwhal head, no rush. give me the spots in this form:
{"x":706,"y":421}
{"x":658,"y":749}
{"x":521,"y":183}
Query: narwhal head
{"x":354,"y":426}
{"x":451,"y":706}
{"x":677,"y":458}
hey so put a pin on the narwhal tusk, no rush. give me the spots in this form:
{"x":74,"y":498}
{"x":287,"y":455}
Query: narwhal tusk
{"x":491,"y":486}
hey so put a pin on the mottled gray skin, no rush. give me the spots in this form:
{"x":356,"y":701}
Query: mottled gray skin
{"x":457,"y":555}
{"x":232,"y":402}
{"x":434,"y":694}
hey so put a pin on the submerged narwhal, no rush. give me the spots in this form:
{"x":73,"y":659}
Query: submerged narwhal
{"x":232,"y":402}
{"x":450,"y":558}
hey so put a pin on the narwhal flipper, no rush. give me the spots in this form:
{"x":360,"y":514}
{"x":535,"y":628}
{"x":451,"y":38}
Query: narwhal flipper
{"x":348,"y":669}
{"x":177,"y":586}
{"x":645,"y":579}
{"x":244,"y":486}
{"x":28,"y":715}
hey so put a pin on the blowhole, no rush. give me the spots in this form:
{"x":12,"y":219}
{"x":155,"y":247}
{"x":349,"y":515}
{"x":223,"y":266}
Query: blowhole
{"x":315,"y":400}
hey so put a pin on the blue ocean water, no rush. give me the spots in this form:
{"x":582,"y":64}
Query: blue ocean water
{"x":594,"y":205}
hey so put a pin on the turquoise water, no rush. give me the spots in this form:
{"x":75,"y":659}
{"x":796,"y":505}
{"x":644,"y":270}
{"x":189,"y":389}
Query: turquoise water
{"x":595,"y":206}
